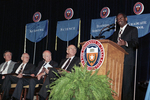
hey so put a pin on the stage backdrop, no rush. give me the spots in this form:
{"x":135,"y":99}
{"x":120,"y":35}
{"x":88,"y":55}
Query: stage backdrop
{"x":15,"y":14}
{"x":142,"y":23}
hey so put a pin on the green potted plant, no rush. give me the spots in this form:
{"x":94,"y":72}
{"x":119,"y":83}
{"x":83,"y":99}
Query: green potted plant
{"x":81,"y":84}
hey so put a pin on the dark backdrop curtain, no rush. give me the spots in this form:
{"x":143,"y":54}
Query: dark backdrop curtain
{"x":15,"y":14}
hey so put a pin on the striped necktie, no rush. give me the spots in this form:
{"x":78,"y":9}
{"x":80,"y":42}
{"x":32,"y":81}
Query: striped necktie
{"x":20,"y":71}
{"x":67,"y":63}
{"x":119,"y":35}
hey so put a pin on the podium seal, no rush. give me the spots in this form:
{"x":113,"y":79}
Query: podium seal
{"x":92,"y":53}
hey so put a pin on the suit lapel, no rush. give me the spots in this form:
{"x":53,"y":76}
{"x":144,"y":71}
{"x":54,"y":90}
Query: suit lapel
{"x":26,"y":68}
{"x":125,"y":32}
{"x":9,"y":66}
{"x":71,"y":63}
{"x":62,"y":62}
{"x":2,"y":65}
{"x":51,"y":63}
{"x":115,"y":36}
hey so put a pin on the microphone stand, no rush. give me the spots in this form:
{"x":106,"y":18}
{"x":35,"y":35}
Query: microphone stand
{"x":101,"y":32}
{"x":102,"y":37}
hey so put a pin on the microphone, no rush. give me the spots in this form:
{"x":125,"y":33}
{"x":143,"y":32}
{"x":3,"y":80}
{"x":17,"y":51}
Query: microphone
{"x":111,"y":25}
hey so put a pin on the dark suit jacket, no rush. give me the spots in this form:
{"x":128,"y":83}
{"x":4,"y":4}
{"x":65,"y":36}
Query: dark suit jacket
{"x":52,"y":63}
{"x":29,"y":68}
{"x":33,"y":81}
{"x":75,"y":61}
{"x":130,"y":35}
{"x":52,"y":76}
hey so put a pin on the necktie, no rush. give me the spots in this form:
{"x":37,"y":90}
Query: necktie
{"x":67,"y":63}
{"x":4,"y":67}
{"x":119,"y":35}
{"x":20,"y":71}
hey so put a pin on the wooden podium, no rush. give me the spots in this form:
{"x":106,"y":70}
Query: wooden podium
{"x":113,"y":62}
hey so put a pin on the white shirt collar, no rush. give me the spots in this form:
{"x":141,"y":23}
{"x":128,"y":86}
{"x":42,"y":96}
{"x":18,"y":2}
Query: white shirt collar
{"x":71,"y":57}
{"x":8,"y":62}
{"x":122,"y":28}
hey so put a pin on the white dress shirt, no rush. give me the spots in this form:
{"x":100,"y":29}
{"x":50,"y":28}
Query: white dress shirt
{"x":18,"y":69}
{"x":122,"y":30}
{"x":66,"y":62}
{"x":46,"y":65}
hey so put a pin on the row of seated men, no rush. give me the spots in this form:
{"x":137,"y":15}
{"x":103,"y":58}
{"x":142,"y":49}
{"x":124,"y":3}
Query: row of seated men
{"x":45,"y":67}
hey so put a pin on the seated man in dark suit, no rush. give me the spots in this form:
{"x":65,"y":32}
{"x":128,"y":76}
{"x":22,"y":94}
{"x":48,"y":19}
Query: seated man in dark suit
{"x":39,"y":73}
{"x":7,"y":66}
{"x":66,"y":64}
{"x":19,"y":69}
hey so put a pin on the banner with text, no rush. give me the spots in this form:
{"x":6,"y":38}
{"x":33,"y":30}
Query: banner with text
{"x":98,"y":24}
{"x":142,"y":23}
{"x":67,"y":30}
{"x":35,"y":32}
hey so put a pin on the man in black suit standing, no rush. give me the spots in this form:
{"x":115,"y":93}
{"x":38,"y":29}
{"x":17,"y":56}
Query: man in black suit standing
{"x":40,"y":71}
{"x":7,"y":66}
{"x":66,"y":64}
{"x":19,"y":69}
{"x":126,"y":37}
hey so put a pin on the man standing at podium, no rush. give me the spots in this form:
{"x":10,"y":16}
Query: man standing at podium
{"x":126,"y":37}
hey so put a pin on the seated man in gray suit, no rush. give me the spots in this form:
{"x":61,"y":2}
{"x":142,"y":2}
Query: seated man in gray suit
{"x":66,"y":64}
{"x":7,"y":66}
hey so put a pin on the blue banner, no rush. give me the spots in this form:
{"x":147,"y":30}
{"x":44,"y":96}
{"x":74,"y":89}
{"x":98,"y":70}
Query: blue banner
{"x":35,"y":32}
{"x":98,"y":24}
{"x":67,"y":30}
{"x":147,"y":96}
{"x":142,"y":22}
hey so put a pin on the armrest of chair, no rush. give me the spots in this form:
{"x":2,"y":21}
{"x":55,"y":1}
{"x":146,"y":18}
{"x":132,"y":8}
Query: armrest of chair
{"x":44,"y":78}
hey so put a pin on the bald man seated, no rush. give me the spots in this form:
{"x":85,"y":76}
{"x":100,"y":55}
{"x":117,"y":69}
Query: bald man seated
{"x":66,"y":64}
{"x":19,"y":68}
{"x":39,"y":72}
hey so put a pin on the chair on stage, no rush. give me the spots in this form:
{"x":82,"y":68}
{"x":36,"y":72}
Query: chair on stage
{"x":25,"y":89}
{"x":37,"y":89}
{"x":13,"y":86}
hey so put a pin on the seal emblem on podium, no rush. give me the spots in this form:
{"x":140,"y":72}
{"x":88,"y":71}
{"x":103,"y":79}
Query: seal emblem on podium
{"x":92,"y":53}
